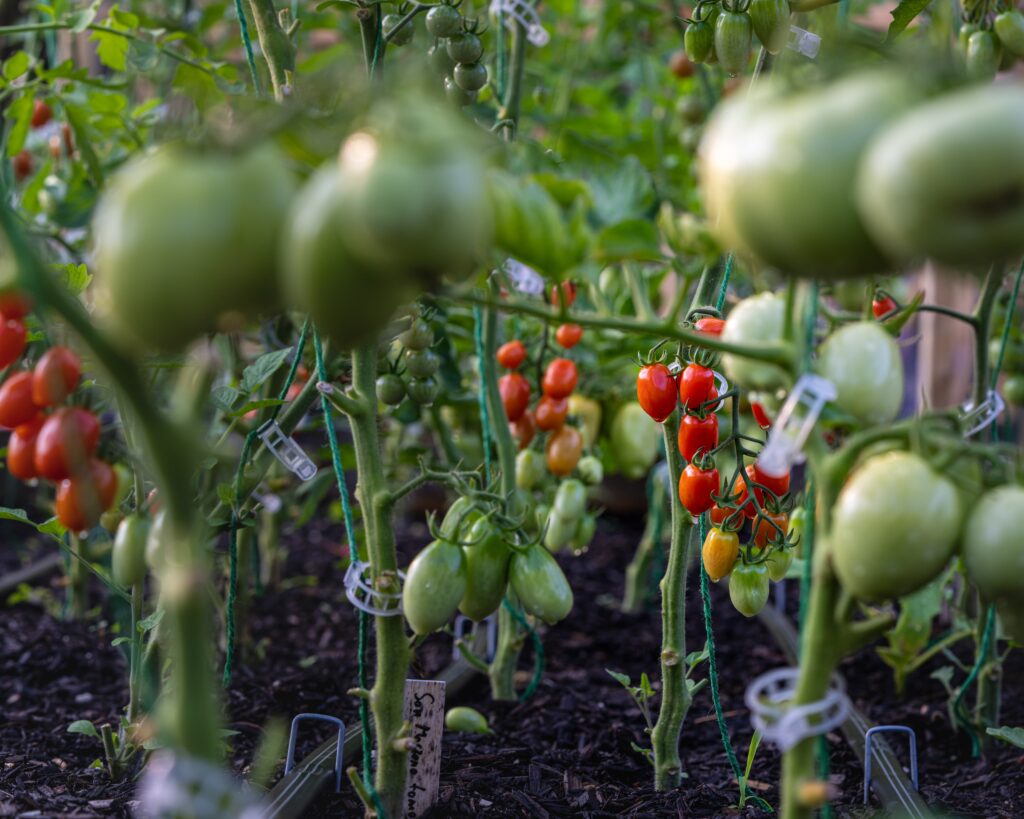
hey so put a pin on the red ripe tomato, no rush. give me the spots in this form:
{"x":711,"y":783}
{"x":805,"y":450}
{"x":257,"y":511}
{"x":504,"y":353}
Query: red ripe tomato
{"x":710,"y":325}
{"x":718,"y":514}
{"x":778,"y":484}
{"x":695,"y":385}
{"x":41,"y":114}
{"x":12,"y":341}
{"x":567,"y":296}
{"x":515,"y":395}
{"x":55,"y":376}
{"x":82,"y":499}
{"x":551,"y":412}
{"x":765,"y":533}
{"x":697,"y":434}
{"x":523,"y":429}
{"x":559,"y":378}
{"x":695,"y":489}
{"x":568,"y":335}
{"x":22,"y":164}
{"x":21,"y":449}
{"x":13,"y":305}
{"x":563,"y":450}
{"x":762,"y":418}
{"x":657,"y":392}
{"x":66,"y":442}
{"x":16,"y":406}
{"x":511,"y":354}
{"x":882,"y":306}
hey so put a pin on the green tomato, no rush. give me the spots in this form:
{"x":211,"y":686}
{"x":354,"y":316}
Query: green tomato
{"x":390,"y":389}
{"x":732,"y":40}
{"x":419,"y":335}
{"x":465,"y":48}
{"x":444,"y":21}
{"x":457,"y":94}
{"x":540,"y":515}
{"x":486,"y":570}
{"x":863,"y":362}
{"x":748,"y":588}
{"x":464,"y":719}
{"x":1013,"y":390}
{"x":423,"y":391}
{"x":404,"y":34}
{"x":530,"y":469}
{"x":188,"y":243}
{"x":993,"y":546}
{"x":635,"y":439}
{"x":128,"y":557}
{"x":983,"y":56}
{"x":1009,"y":28}
{"x":584,"y":533}
{"x":571,"y":499}
{"x":968,"y":214}
{"x":459,"y":519}
{"x":440,"y":61}
{"x":755,"y":321}
{"x":421,"y":363}
{"x":778,"y":562}
{"x":560,"y":531}
{"x":435,"y":583}
{"x":797,"y":529}
{"x":540,"y":584}
{"x":591,"y":471}
{"x":470,"y":76}
{"x":770,"y":19}
{"x":775,"y":169}
{"x":894,"y":527}
{"x":699,"y":41}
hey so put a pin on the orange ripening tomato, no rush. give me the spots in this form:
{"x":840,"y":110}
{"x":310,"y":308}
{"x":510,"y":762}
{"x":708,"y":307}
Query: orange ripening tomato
{"x":16,"y":405}
{"x":66,"y":441}
{"x":566,"y":297}
{"x":551,"y":412}
{"x":709,"y":325}
{"x":515,"y":395}
{"x":720,"y":552}
{"x":523,"y":429}
{"x":55,"y":376}
{"x":81,"y":500}
{"x":765,"y":533}
{"x":568,"y":335}
{"x":511,"y":354}
{"x":21,"y":449}
{"x":13,"y":338}
{"x":565,"y":446}
{"x":559,"y":378}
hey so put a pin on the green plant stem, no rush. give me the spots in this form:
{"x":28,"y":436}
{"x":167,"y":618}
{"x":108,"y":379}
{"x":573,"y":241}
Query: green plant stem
{"x":275,"y":44}
{"x":78,"y":580}
{"x":135,"y":661}
{"x":982,"y":329}
{"x":508,"y":114}
{"x":639,"y":569}
{"x":675,"y":695}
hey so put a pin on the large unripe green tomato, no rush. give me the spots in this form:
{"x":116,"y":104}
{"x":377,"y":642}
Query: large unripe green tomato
{"x":187,"y":243}
{"x":559,"y":530}
{"x":435,"y":584}
{"x":571,"y":499}
{"x":128,"y":556}
{"x":754,"y":321}
{"x":894,"y":527}
{"x":947,"y":180}
{"x":863,"y":362}
{"x":349,"y":298}
{"x":486,"y":570}
{"x":993,"y":543}
{"x":539,"y":582}
{"x":636,"y":440}
{"x":748,"y":588}
{"x":777,"y":171}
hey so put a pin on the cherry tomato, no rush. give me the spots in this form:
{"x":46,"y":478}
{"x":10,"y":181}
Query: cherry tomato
{"x":695,"y":489}
{"x":762,"y":418}
{"x":41,"y":114}
{"x":515,"y":394}
{"x":559,"y":378}
{"x":22,"y":164}
{"x":14,"y":305}
{"x":765,"y":533}
{"x":680,"y":65}
{"x":882,"y":306}
{"x":21,"y":449}
{"x":710,"y":325}
{"x":742,"y":497}
{"x":748,"y":588}
{"x":551,"y":412}
{"x":657,"y":392}
{"x":66,"y":441}
{"x":779,"y":484}
{"x":16,"y":406}
{"x":720,"y":552}
{"x":523,"y":429}
{"x":695,"y":385}
{"x":12,"y":341}
{"x":55,"y":376}
{"x":563,"y":450}
{"x":568,"y":335}
{"x":697,"y":434}
{"x":567,"y":297}
{"x":82,"y":499}
{"x":511,"y":354}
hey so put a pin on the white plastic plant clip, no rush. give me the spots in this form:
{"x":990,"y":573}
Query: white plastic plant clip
{"x":524,"y":279}
{"x":788,"y":436}
{"x":286,"y":450}
{"x":975,"y":419}
{"x":770,"y":699}
{"x":363,"y":595}
{"x":173,"y":780}
{"x":804,"y":42}
{"x":526,"y":15}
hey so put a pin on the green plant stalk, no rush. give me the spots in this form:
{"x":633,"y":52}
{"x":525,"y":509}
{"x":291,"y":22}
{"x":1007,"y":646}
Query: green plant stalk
{"x":675,"y":695}
{"x":271,"y":553}
{"x":110,"y":752}
{"x":135,"y":660}
{"x":639,"y":569}
{"x":387,"y":697}
{"x":78,"y":581}
{"x":275,"y":44}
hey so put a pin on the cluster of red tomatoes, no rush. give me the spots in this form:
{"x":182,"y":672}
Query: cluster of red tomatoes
{"x":565,"y":444}
{"x":22,"y":162}
{"x":50,"y":440}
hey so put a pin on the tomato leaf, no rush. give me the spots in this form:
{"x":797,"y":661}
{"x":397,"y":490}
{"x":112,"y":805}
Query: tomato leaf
{"x":16,"y":65}
{"x":262,"y":368}
{"x":6,"y":513}
{"x":634,"y":239}
{"x":111,"y":48}
{"x":19,"y":114}
{"x":83,"y":726}
{"x":225,"y":397}
{"x":626,"y":193}
{"x":903,"y":15}
{"x":1015,"y":736}
{"x":150,"y":622}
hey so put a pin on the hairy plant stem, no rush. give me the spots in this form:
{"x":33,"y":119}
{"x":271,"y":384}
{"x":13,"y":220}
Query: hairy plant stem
{"x":276,"y":46}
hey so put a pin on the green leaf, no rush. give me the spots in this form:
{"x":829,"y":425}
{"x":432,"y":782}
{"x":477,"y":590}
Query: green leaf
{"x":81,"y":20}
{"x":1015,"y":736}
{"x":262,"y":368}
{"x":645,"y":685}
{"x":262,"y":403}
{"x":76,"y":276}
{"x":225,"y":397}
{"x":627,"y":193}
{"x":6,"y":513}
{"x":903,"y":15}
{"x":19,"y":114}
{"x":83,"y":726}
{"x":111,"y":48}
{"x":121,"y":641}
{"x":635,"y":239}
{"x":16,"y":65}
{"x":621,"y":679}
{"x":150,"y":622}
{"x":198,"y":85}
{"x":52,"y":527}
{"x":226,"y":493}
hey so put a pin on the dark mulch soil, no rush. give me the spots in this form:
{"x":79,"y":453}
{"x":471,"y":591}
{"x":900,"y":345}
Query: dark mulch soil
{"x":566,"y":752}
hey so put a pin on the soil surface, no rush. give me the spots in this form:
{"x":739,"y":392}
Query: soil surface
{"x":568,"y":751}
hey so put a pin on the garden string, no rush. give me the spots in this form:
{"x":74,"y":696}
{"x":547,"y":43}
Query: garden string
{"x":482,"y":364}
{"x":247,"y":42}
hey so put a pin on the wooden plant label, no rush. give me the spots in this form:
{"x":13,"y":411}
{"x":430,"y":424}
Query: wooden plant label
{"x":424,"y":709}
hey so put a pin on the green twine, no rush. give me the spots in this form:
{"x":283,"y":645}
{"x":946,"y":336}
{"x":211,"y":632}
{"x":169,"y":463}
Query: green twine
{"x":958,"y":707}
{"x":250,"y":440}
{"x":725,"y":283}
{"x":502,"y":78}
{"x":247,"y":42}
{"x":482,"y":364}
{"x":805,"y":575}
{"x":1006,"y":326}
{"x":538,"y":651}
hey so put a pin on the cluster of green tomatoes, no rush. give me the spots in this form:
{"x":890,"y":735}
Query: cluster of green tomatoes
{"x":414,"y":377}
{"x":990,"y":44}
{"x":722,"y":31}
